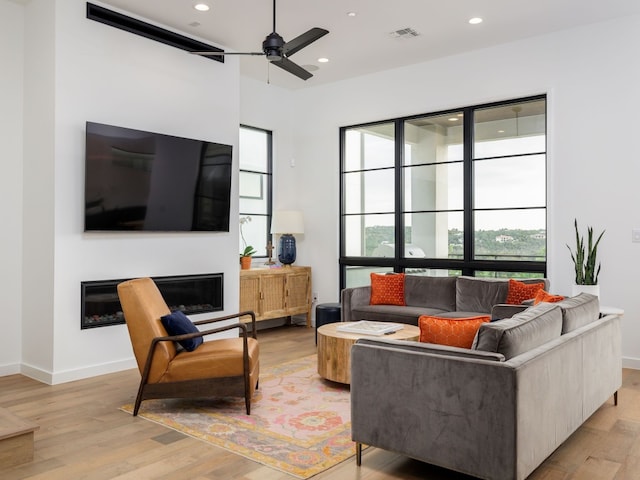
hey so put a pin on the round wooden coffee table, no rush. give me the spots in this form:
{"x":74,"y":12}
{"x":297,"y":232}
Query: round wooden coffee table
{"x":334,"y":349}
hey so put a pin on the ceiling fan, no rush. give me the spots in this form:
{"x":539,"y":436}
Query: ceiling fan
{"x":278,"y":51}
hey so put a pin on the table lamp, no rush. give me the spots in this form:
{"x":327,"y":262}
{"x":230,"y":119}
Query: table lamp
{"x":286,"y":223}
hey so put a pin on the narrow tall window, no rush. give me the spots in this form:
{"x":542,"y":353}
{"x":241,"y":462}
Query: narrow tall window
{"x":255,"y":185}
{"x":448,"y":193}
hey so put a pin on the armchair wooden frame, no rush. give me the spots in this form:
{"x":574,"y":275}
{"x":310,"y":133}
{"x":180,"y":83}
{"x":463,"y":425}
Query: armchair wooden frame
{"x":207,"y":387}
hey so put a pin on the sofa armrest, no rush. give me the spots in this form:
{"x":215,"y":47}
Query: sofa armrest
{"x":351,"y":298}
{"x":451,"y":411}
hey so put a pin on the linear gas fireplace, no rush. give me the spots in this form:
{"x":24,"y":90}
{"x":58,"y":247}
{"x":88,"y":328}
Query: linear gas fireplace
{"x":189,"y":293}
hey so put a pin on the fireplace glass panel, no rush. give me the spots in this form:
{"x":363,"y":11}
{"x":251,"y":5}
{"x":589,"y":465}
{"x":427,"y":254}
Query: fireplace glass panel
{"x":189,"y":293}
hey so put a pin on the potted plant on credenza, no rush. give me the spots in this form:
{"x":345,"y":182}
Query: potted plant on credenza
{"x":247,"y":253}
{"x":245,"y":257}
{"x":587,"y":268}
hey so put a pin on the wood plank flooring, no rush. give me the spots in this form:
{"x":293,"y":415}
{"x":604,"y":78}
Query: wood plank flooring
{"x":83,"y":435}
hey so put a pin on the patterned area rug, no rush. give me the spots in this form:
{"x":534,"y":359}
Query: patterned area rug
{"x":299,"y":423}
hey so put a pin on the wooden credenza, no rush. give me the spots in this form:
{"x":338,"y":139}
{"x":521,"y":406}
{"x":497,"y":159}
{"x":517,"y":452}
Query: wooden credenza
{"x":276,"y":292}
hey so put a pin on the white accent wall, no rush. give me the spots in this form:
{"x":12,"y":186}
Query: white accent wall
{"x":78,"y":70}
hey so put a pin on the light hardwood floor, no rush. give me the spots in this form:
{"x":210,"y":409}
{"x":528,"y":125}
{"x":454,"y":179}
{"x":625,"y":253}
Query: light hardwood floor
{"x":83,"y":435}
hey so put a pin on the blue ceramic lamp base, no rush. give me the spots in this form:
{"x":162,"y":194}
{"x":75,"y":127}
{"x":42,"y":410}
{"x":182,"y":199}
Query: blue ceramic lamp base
{"x":287,"y":249}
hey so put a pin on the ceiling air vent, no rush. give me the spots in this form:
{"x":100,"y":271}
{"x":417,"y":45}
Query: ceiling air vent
{"x":404,"y":33}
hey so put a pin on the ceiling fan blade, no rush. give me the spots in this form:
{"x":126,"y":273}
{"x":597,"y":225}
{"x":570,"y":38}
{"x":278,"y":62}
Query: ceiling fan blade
{"x":214,"y":54}
{"x":303,"y":40}
{"x":292,"y":68}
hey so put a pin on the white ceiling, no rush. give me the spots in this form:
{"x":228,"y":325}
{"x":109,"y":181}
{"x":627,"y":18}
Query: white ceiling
{"x":361,"y":44}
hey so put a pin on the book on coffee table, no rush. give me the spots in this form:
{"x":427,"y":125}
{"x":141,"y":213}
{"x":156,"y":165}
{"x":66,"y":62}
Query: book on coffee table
{"x":370,"y":328}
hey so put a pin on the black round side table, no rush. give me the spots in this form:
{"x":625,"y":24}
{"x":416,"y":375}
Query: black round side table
{"x":326,"y":313}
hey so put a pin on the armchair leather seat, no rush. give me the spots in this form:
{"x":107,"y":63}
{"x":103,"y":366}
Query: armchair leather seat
{"x":220,"y":358}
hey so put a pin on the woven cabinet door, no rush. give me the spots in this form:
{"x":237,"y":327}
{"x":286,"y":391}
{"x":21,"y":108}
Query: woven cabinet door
{"x":272,"y":289}
{"x":298,"y":292}
{"x":250,"y":296}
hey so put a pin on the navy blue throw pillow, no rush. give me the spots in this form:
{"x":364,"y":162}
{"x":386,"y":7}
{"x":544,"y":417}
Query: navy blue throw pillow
{"x":177,"y":323}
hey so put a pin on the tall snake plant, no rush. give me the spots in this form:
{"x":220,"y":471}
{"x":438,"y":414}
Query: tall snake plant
{"x":585,"y":260}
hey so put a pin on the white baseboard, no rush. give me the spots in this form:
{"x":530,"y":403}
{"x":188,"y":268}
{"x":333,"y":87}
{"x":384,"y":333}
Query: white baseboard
{"x":630,"y":362}
{"x":94,"y":371}
{"x":9,"y":369}
{"x":76,"y":374}
{"x":36,"y":373}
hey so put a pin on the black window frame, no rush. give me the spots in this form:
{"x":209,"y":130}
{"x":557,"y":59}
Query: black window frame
{"x":269,"y":186}
{"x":468,"y":265}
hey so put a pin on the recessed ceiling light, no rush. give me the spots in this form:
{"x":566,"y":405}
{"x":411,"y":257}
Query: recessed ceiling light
{"x":453,"y":119}
{"x":475,"y":20}
{"x":323,"y":60}
{"x":351,"y":14}
{"x":201,"y":7}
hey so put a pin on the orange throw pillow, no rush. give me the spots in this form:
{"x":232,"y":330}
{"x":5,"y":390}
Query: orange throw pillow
{"x":520,"y":291}
{"x":387,"y":289}
{"x":543,"y":296}
{"x":454,"y":332}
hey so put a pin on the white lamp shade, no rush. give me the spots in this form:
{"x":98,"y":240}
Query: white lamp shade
{"x":287,"y":221}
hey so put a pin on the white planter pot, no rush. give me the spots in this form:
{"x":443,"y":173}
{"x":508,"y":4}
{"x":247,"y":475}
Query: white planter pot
{"x":591,"y":289}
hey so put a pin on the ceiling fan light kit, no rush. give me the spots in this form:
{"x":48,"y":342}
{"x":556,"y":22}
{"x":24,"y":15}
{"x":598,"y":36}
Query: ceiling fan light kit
{"x":272,"y":46}
{"x":278,"y":51}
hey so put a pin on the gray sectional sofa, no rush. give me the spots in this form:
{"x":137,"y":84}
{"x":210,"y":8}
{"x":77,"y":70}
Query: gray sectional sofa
{"x":495,"y":411}
{"x":452,"y":297}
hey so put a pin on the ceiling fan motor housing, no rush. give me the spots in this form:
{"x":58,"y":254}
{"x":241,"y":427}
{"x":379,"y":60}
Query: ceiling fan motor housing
{"x":272,"y":46}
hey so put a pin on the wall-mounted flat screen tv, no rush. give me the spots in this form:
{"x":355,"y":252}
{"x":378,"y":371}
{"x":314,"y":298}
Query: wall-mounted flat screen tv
{"x":136,"y":180}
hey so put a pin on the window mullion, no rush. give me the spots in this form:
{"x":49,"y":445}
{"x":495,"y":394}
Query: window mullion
{"x":468,"y":134}
{"x":399,"y":204}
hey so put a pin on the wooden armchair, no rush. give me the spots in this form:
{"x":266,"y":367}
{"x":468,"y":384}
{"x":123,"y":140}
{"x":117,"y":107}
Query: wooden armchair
{"x":219,"y":367}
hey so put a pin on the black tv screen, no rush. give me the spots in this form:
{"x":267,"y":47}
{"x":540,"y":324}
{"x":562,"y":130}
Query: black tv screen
{"x":136,"y":180}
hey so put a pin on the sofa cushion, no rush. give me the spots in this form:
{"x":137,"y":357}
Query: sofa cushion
{"x":387,"y":289}
{"x":579,"y":311}
{"x":520,"y":291}
{"x":522,"y":332}
{"x":455,"y":332}
{"x":479,"y":294}
{"x":432,"y":292}
{"x":543,"y":296}
{"x":177,"y":323}
{"x":392,"y":313}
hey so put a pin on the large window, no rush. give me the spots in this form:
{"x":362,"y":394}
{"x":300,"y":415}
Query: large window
{"x":449,"y":193}
{"x":255,"y":188}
